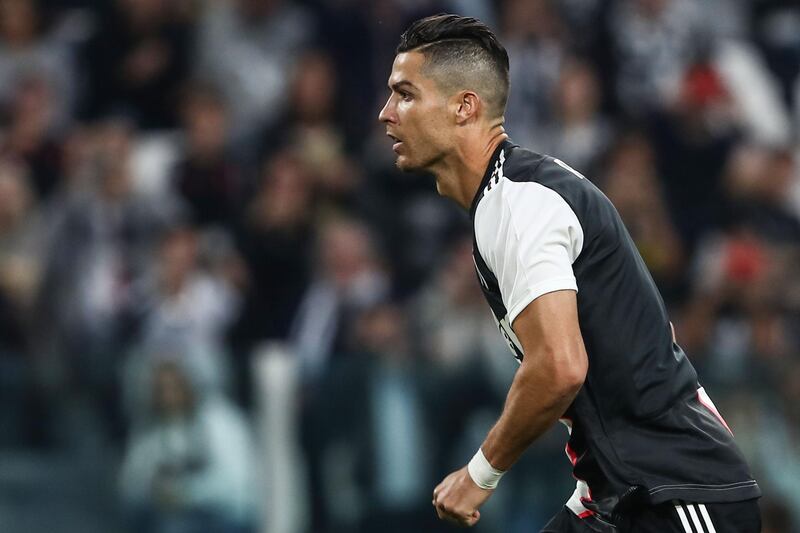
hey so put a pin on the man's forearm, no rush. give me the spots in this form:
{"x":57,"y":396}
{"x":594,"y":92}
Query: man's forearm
{"x":539,"y":395}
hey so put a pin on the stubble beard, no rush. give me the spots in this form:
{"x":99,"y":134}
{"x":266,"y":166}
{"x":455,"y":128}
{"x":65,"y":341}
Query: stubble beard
{"x":410,"y":166}
{"x":421,"y":169}
{"x":406,"y":166}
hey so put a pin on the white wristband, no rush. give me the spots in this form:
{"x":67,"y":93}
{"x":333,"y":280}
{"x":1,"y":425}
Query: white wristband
{"x":482,"y":473}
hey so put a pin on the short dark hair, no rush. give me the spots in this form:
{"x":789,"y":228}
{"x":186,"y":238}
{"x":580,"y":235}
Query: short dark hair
{"x":466,"y":51}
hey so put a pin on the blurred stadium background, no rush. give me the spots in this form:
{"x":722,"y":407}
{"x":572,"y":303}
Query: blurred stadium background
{"x":223,"y":310}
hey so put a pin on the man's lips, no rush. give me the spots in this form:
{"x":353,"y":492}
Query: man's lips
{"x":397,"y":142}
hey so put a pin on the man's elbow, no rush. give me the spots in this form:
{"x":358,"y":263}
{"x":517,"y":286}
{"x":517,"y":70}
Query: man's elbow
{"x":565,"y":365}
{"x":571,"y":373}
{"x":573,"y":381}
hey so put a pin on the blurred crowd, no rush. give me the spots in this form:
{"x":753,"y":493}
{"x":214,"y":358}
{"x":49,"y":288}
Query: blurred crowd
{"x":183,"y":182}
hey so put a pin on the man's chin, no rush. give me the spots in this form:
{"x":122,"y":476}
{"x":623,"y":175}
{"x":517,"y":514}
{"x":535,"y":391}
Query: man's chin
{"x":405,"y":165}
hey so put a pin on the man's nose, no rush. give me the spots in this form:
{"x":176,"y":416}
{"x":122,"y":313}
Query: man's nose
{"x":386,"y":115}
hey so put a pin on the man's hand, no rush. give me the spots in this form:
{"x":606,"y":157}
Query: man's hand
{"x":458,"y":498}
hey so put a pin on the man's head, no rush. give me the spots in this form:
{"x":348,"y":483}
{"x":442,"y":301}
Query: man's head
{"x":450,"y":72}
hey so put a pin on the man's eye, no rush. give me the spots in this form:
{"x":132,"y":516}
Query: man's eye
{"x":405,"y":96}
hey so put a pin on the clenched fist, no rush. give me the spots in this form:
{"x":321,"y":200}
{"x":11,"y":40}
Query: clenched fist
{"x":458,"y":498}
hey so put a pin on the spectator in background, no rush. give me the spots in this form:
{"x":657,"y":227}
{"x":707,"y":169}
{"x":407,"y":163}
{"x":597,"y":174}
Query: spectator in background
{"x":450,"y":319}
{"x":209,"y":368}
{"x":745,"y":303}
{"x":758,"y":184}
{"x":102,"y":236}
{"x":741,"y":315}
{"x":207,"y":177}
{"x":181,"y":300}
{"x":21,"y":246}
{"x":275,"y":237}
{"x":137,"y":61}
{"x":192,"y":469}
{"x":311,"y":128}
{"x":21,"y":257}
{"x":585,"y":19}
{"x":775,"y":26}
{"x":28,"y":49}
{"x":248,"y":47}
{"x":693,"y":140}
{"x":778,"y":455}
{"x":535,"y":38}
{"x":32,"y":135}
{"x":349,"y":279}
{"x":756,"y":105}
{"x":579,"y":132}
{"x":633,"y":185}
{"x":377,"y":406}
{"x":766,"y":421}
{"x":350,"y":38}
{"x":655,"y":41}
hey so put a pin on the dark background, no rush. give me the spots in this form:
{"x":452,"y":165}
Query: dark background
{"x":182,"y":181}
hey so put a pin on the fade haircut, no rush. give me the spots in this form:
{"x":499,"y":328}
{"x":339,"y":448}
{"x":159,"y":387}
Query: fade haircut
{"x":461,"y":53}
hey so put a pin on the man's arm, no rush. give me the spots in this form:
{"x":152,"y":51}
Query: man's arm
{"x":552,"y":372}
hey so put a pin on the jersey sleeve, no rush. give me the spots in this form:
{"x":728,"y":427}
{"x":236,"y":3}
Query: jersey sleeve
{"x":529,"y":237}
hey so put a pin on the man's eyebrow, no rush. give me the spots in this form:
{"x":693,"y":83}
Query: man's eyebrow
{"x":400,"y":84}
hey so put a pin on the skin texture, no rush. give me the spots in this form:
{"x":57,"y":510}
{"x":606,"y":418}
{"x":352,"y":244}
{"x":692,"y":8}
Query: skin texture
{"x":451,"y":134}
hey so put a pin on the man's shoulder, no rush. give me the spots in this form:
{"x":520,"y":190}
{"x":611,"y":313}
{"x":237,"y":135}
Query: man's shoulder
{"x":526,"y":190}
{"x":512,"y":164}
{"x":588,"y":202}
{"x":517,"y":165}
{"x":519,"y":174}
{"x":520,"y":164}
{"x":551,"y":172}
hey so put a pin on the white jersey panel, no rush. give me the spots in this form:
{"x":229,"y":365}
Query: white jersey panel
{"x":529,"y":236}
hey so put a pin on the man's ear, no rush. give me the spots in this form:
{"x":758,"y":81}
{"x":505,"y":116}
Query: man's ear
{"x":466,"y":104}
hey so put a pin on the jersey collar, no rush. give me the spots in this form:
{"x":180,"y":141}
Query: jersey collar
{"x":487,"y":175}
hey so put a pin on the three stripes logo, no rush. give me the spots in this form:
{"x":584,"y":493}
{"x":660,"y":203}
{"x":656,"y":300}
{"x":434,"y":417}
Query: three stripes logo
{"x":497,"y":173}
{"x":694,"y":518}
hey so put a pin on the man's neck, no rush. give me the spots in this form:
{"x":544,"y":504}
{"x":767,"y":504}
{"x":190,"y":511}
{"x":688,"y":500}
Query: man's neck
{"x":459,"y":175}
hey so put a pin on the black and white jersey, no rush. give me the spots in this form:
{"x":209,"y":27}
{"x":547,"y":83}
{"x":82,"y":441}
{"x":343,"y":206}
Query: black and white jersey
{"x":641,"y":428}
